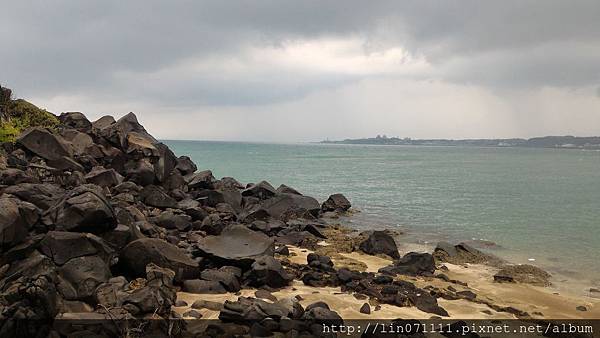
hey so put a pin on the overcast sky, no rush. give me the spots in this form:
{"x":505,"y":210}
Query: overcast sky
{"x":289,"y":71}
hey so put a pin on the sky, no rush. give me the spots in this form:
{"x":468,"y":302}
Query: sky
{"x":297,"y":71}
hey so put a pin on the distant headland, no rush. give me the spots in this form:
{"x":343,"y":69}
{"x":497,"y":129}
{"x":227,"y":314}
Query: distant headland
{"x":569,"y":142}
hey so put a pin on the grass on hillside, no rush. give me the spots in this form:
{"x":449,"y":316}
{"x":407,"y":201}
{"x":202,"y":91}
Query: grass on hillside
{"x":21,"y":115}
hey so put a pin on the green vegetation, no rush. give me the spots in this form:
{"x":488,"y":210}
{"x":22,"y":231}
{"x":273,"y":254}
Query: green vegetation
{"x":18,"y":115}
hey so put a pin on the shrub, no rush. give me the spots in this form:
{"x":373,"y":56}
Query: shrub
{"x":20,"y":115}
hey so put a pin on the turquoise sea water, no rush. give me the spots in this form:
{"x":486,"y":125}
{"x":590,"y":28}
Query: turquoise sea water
{"x":542,"y":204}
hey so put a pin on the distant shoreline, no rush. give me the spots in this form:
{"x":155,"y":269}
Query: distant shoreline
{"x":561,"y":142}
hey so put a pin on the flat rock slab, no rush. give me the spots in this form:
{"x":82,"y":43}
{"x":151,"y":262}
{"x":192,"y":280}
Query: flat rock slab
{"x":236,"y":245}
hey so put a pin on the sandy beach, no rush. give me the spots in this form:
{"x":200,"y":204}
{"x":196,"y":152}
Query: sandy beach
{"x":539,"y":302}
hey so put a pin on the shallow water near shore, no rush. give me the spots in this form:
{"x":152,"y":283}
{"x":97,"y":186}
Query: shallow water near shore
{"x":520,"y":204}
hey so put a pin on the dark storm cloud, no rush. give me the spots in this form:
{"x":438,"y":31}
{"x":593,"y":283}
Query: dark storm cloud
{"x":83,"y":47}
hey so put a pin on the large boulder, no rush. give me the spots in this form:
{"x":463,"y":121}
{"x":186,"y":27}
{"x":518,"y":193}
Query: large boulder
{"x":380,"y":242}
{"x":261,"y":190}
{"x":103,"y":122}
{"x":166,"y":162}
{"x":155,"y":295}
{"x":200,"y":180}
{"x":75,"y":120}
{"x":202,"y":286}
{"x":12,"y":176}
{"x":13,"y":227}
{"x":138,"y":144}
{"x":157,"y":197}
{"x":84,"y":209}
{"x":284,"y":189}
{"x":44,"y":144}
{"x":268,"y":271}
{"x":171,"y":220}
{"x":185,"y":165}
{"x":228,"y":276}
{"x":336,"y":202}
{"x":236,"y":245}
{"x":246,"y":310}
{"x":82,"y":275}
{"x":413,"y":264}
{"x":81,"y":143}
{"x":215,"y":197}
{"x":463,"y":253}
{"x":117,"y":132}
{"x":284,"y":206}
{"x":104,"y":177}
{"x":139,"y":253}
{"x":524,"y":273}
{"x":62,"y":246}
{"x":42,"y":195}
{"x":140,"y":171}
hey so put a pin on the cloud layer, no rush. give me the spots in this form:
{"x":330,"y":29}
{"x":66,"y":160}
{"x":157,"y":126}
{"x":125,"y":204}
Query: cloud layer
{"x":307,"y":70}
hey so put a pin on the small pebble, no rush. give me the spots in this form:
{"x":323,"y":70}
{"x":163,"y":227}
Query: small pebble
{"x":581,"y":308}
{"x":365,"y":308}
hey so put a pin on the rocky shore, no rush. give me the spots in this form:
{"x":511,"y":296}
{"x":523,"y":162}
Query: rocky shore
{"x":101,"y":224}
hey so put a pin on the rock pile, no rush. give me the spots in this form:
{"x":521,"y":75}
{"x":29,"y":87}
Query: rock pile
{"x":99,"y":219}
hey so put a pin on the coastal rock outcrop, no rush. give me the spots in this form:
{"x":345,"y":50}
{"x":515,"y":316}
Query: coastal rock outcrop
{"x":99,"y":220}
{"x":463,"y":253}
{"x":380,"y":242}
{"x":336,"y":202}
{"x":413,"y":263}
{"x":85,"y":209}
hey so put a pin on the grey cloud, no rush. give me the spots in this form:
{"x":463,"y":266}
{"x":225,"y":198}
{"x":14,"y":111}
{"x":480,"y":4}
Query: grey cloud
{"x":79,"y":46}
{"x":143,"y":53}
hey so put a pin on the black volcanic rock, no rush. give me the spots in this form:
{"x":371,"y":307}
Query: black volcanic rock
{"x":413,"y":264}
{"x":139,"y":253}
{"x":261,"y":190}
{"x":128,"y":134}
{"x":201,"y":180}
{"x":284,"y":189}
{"x":103,"y":177}
{"x":44,"y":144}
{"x":227,"y":277}
{"x":185,"y":165}
{"x":13,"y":227}
{"x":380,"y":242}
{"x":62,"y":246}
{"x":82,"y":275}
{"x":202,"y":286}
{"x":75,"y":120}
{"x":336,"y":202}
{"x":157,"y":197}
{"x":284,"y":206}
{"x":236,"y":245}
{"x":43,"y":195}
{"x":266,"y":270}
{"x":84,"y":209}
{"x":165,"y":164}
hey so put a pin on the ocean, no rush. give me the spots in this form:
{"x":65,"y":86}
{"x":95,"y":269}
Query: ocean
{"x":527,"y":205}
